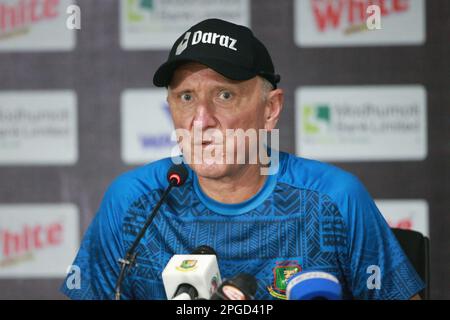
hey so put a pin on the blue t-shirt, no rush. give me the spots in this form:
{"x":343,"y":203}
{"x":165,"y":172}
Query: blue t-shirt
{"x":307,"y":216}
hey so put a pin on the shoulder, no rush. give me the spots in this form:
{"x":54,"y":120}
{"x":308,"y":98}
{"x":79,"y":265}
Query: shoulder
{"x":318,"y":176}
{"x":331,"y":185}
{"x":131,"y":184}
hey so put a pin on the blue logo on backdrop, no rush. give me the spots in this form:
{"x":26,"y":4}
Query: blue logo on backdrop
{"x":161,"y":140}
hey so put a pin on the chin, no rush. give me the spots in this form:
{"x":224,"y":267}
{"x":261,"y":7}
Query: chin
{"x":210,"y":171}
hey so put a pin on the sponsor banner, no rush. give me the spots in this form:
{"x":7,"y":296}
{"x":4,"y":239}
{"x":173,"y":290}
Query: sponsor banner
{"x":406,"y":214}
{"x":361,"y":123}
{"x":146,"y":126}
{"x":37,"y":240}
{"x":35,"y":25}
{"x":327,"y":23}
{"x":38,"y":128}
{"x":156,"y":24}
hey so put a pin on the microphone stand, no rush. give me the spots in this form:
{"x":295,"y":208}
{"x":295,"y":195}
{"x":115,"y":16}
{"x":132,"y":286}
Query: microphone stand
{"x":130,"y":257}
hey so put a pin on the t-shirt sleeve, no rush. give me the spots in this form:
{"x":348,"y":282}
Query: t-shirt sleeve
{"x":96,"y":264}
{"x":379,"y":269}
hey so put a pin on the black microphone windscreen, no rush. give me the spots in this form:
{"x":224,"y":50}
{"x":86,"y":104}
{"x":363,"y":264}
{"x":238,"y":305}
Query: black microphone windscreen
{"x":245,"y":282}
{"x":177,"y":174}
{"x":204,"y":250}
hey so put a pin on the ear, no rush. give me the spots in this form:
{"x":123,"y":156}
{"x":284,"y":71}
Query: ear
{"x":273,"y":107}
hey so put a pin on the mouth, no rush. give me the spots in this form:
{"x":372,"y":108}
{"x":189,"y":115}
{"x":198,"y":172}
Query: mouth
{"x":203,"y":143}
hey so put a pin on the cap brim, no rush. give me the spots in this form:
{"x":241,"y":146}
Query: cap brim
{"x":164,"y":74}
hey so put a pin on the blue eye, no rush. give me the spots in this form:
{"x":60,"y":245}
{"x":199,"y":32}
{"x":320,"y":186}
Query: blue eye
{"x":186,"y":97}
{"x":225,"y":95}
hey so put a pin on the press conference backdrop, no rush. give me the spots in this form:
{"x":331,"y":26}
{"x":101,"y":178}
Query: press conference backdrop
{"x":77,"y":108}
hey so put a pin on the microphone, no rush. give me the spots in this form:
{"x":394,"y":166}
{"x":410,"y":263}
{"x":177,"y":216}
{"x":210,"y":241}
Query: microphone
{"x":313,"y":285}
{"x":192,"y":276}
{"x":176,"y":176}
{"x":240,"y":287}
{"x":204,"y":250}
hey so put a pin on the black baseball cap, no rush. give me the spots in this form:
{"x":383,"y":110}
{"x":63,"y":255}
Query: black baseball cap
{"x":229,"y":49}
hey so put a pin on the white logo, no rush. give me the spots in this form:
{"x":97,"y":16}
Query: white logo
{"x":362,"y":123}
{"x":336,"y":23}
{"x":207,"y":37}
{"x":24,"y":25}
{"x":410,"y":214}
{"x":157,"y":24}
{"x":38,"y":240}
{"x":210,"y":37}
{"x":38,"y":127}
{"x":146,"y":126}
{"x":183,"y":44}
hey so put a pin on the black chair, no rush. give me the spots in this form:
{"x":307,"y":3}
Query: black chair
{"x":417,"y":249}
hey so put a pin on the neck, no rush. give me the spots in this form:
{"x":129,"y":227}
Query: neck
{"x":241,"y":186}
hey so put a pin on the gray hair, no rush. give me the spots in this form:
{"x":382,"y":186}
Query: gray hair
{"x":266,"y":87}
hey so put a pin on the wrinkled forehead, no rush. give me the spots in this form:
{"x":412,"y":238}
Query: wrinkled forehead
{"x":194,"y":73}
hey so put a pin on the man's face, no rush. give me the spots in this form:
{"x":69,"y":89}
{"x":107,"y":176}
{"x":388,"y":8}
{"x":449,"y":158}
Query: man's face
{"x":199,"y":96}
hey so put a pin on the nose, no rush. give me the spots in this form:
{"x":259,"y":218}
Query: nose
{"x":205,"y":115}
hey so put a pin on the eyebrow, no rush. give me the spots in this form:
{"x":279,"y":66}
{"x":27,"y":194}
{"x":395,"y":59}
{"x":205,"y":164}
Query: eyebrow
{"x":228,"y":86}
{"x":178,"y":91}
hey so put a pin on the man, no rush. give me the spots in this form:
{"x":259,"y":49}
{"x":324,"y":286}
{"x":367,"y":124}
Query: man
{"x":303,"y":215}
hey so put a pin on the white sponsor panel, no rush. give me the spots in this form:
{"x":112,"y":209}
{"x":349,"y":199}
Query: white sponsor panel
{"x":37,"y":240}
{"x":156,"y":24}
{"x":38,"y":127}
{"x":35,"y":25}
{"x":361,"y":123}
{"x":146,"y":126}
{"x":406,"y":214}
{"x":327,"y":23}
